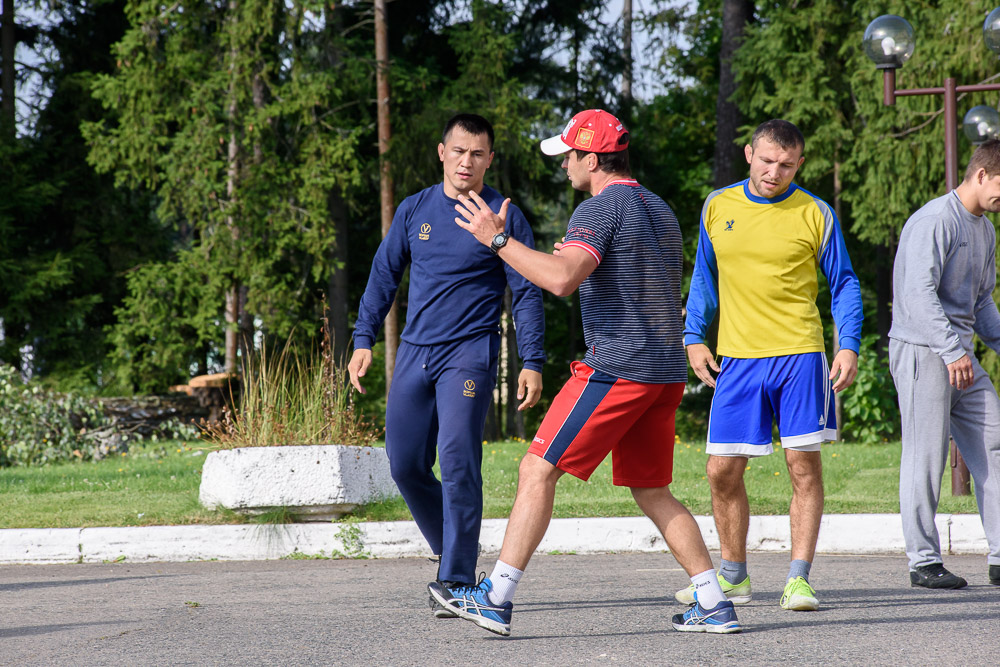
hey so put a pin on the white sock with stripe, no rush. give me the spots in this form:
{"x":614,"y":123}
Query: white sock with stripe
{"x":707,"y":588}
{"x":504,"y":579}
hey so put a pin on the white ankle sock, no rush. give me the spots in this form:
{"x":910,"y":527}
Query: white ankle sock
{"x":504,"y":579}
{"x":707,"y":588}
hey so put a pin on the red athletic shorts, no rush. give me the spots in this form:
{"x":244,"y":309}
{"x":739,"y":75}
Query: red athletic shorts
{"x":596,"y":413}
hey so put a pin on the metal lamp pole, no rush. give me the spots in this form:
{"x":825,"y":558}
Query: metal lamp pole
{"x":889,"y":43}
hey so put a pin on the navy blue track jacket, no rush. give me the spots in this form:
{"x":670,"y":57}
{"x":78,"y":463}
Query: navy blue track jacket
{"x":456,"y":283}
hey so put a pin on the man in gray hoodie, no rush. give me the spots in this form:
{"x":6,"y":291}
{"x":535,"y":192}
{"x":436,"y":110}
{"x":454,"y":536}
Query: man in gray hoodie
{"x":943,"y":281}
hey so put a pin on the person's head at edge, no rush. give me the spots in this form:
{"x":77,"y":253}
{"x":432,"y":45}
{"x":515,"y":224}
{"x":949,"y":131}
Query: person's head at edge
{"x":466,"y":152}
{"x":595,"y":148}
{"x":980,"y":189}
{"x":774,"y":155}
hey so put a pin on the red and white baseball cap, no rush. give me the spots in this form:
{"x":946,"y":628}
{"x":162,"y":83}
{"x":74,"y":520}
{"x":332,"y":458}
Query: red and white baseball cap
{"x":593,"y":131}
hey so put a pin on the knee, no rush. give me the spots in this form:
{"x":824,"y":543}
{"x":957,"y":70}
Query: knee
{"x":405,"y":467}
{"x":536,"y":471}
{"x":646,"y":495}
{"x":725,"y":474}
{"x":400,"y":470}
{"x":806,"y":479}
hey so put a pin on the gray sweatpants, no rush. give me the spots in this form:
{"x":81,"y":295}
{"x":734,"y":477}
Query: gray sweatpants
{"x":931,"y":409}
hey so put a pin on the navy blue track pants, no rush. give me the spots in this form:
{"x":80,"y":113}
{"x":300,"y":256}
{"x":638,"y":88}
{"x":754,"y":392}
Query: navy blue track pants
{"x":437,"y":408}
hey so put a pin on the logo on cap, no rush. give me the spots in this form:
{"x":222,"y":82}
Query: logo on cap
{"x":584,"y":138}
{"x":425,"y":231}
{"x":569,"y":126}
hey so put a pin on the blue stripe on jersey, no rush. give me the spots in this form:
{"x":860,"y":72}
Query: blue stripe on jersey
{"x":631,"y":303}
{"x":598,"y":386}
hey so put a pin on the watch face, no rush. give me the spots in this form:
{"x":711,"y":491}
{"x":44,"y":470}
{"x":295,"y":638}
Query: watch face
{"x":499,"y":238}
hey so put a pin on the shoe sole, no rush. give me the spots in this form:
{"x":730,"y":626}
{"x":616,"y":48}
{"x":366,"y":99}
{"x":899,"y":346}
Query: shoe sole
{"x":941,"y":588}
{"x":485,"y":623}
{"x":439,"y":611}
{"x":801,"y":605}
{"x":729,"y":628}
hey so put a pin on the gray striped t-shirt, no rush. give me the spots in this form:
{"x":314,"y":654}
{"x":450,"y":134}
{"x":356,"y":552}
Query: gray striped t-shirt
{"x":631,"y":303}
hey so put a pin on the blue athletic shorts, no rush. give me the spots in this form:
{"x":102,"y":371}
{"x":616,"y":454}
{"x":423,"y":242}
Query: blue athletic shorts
{"x":795,"y":390}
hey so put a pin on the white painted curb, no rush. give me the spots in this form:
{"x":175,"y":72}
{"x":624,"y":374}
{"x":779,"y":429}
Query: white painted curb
{"x":839,"y":533}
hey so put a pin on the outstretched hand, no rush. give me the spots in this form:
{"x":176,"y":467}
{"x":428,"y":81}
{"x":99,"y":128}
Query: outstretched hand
{"x":478,"y":219}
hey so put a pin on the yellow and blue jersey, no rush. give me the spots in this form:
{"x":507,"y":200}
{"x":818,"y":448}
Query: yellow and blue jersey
{"x":757,"y":266}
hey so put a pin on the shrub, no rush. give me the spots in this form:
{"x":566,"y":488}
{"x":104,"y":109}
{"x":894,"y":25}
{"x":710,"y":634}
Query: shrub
{"x":871,"y":413}
{"x":39,"y":427}
{"x":290,"y":397}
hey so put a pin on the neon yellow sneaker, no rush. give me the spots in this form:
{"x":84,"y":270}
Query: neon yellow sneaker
{"x":799,"y":596}
{"x":737,"y":593}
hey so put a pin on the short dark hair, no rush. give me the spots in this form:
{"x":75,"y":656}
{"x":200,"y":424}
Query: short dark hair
{"x":611,"y":163}
{"x":986,"y":156}
{"x":781,"y":132}
{"x":471,"y":123}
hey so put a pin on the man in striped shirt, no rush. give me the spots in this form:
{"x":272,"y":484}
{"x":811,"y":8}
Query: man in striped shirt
{"x":622,"y":249}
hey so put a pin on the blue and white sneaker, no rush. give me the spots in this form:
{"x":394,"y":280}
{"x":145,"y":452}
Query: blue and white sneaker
{"x":473,"y":604}
{"x":721,"y":619}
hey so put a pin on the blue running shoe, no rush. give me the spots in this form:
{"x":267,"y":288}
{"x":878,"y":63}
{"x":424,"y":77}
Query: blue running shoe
{"x":473,"y":604}
{"x":721,"y":619}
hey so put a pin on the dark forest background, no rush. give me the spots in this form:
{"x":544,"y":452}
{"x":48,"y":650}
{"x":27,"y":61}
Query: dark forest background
{"x":171,"y":171}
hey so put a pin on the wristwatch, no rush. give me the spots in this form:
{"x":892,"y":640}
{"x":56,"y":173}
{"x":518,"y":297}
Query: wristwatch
{"x":499,"y":241}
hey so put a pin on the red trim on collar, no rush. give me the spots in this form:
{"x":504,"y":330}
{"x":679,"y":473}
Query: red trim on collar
{"x":631,"y":182}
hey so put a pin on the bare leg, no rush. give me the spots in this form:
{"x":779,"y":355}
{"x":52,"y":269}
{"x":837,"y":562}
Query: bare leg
{"x":532,"y":511}
{"x":806,"y":511}
{"x":730,"y":504}
{"x":677,"y":526}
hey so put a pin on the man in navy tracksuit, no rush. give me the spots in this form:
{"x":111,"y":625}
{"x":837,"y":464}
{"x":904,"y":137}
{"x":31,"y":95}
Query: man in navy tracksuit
{"x":446,"y":365}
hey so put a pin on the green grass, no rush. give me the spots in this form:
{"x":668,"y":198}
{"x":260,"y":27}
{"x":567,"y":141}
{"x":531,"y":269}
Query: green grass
{"x":857,"y":479}
{"x":158,"y":485}
{"x":150,"y":486}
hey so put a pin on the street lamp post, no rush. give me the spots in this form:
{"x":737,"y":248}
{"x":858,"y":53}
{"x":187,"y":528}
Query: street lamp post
{"x":889,"y":42}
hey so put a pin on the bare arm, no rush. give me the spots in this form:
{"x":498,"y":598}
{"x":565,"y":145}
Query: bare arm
{"x":558,"y":273}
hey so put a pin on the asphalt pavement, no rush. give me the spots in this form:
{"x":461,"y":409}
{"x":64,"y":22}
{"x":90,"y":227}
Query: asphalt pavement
{"x":570,"y":609}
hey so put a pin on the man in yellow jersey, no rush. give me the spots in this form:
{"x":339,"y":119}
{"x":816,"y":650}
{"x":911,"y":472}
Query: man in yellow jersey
{"x":760,"y":244}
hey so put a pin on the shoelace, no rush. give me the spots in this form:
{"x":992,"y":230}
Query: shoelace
{"x":461,"y":590}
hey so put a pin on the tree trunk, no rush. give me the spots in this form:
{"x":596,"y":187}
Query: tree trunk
{"x":385,"y":178}
{"x":8,"y":43}
{"x":515,"y":419}
{"x":491,"y":430}
{"x":729,"y":164}
{"x":337,"y":295}
{"x":884,"y":255}
{"x":627,"y":65}
{"x":232,"y":309}
{"x":232,"y":326}
{"x":337,"y":288}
